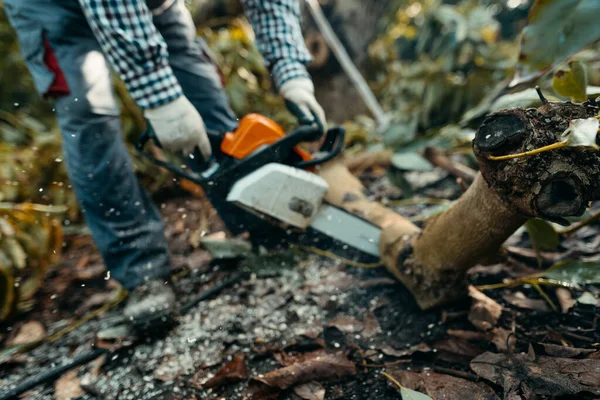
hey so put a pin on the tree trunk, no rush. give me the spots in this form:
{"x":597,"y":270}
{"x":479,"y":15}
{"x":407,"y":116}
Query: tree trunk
{"x":432,"y":262}
{"x":356,"y":23}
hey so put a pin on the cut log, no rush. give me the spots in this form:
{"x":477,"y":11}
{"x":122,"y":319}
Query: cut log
{"x":432,"y":262}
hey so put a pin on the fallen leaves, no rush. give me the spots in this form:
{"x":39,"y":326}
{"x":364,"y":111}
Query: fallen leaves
{"x":528,"y":374}
{"x":367,"y":328}
{"x":485,"y":312}
{"x":68,"y":387}
{"x":456,"y":350}
{"x":504,"y":340}
{"x":390,"y":351}
{"x":441,"y":386}
{"x":234,"y":371}
{"x":313,"y":366}
{"x":310,"y":391}
{"x":519,"y":300}
{"x":29,"y":332}
{"x":565,"y":352}
{"x":565,"y":299}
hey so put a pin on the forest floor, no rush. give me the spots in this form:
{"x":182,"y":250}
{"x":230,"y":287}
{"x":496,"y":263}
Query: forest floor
{"x":302,"y":326}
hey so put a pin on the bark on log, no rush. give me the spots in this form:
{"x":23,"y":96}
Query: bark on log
{"x":432,"y":262}
{"x":550,"y":185}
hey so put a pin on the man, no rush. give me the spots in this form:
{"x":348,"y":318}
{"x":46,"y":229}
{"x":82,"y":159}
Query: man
{"x":69,"y":45}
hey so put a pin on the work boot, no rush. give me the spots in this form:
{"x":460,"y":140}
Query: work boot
{"x":151,"y":305}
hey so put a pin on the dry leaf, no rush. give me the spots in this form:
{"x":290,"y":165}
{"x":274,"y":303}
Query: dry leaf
{"x":310,"y":391}
{"x":367,"y":328}
{"x":439,"y":386}
{"x":346,"y":324}
{"x":68,"y":387}
{"x":519,"y":300}
{"x":504,"y":340}
{"x":95,"y":300}
{"x":31,"y":331}
{"x":485,"y":312}
{"x":456,"y":350}
{"x":564,"y":298}
{"x":390,"y":351}
{"x":468,"y":335}
{"x":90,"y":272}
{"x":233,"y":371}
{"x":545,"y":376}
{"x":565,"y":352}
{"x":318,"y":367}
{"x":260,"y":391}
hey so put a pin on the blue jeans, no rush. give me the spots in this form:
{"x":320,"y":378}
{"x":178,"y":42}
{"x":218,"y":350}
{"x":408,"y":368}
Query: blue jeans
{"x":125,"y":224}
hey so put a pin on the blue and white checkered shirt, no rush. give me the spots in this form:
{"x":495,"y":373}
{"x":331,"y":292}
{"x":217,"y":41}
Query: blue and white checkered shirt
{"x":139,"y":55}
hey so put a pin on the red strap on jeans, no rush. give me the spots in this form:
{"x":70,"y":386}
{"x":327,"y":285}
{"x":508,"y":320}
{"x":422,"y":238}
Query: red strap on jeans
{"x":59,"y":86}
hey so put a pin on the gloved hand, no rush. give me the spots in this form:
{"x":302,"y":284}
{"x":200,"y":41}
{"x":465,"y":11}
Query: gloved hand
{"x":299,"y":96}
{"x":179,"y":127}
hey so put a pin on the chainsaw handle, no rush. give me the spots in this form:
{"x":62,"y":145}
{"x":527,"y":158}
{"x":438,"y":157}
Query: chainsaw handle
{"x":332,"y":146}
{"x":148,"y":135}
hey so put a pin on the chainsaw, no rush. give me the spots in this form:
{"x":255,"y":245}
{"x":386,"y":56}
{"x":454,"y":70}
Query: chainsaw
{"x":261,"y":182}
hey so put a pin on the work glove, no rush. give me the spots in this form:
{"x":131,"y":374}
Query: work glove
{"x":299,"y":96}
{"x":179,"y":127}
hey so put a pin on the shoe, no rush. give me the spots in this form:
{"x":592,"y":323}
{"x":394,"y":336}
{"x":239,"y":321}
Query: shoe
{"x":151,"y":305}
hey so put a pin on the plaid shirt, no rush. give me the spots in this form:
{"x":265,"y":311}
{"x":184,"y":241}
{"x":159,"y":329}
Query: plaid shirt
{"x":138,"y":52}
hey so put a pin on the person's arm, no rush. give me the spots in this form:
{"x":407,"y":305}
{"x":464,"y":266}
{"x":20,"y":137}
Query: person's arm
{"x":134,"y":48}
{"x":138,"y":53}
{"x":276,"y":24}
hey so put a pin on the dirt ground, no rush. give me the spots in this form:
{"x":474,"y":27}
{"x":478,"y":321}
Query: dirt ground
{"x":302,"y":326}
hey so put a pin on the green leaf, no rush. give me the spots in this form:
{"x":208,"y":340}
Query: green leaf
{"x":556,"y":30}
{"x":402,"y":132}
{"x":575,"y":273}
{"x":543,"y":236}
{"x":399,"y":180}
{"x":409,"y":394}
{"x":572,"y":82}
{"x":524,"y":99}
{"x":411,"y":162}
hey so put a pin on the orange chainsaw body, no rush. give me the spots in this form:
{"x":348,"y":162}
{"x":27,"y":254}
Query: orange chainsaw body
{"x":253,"y":132}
